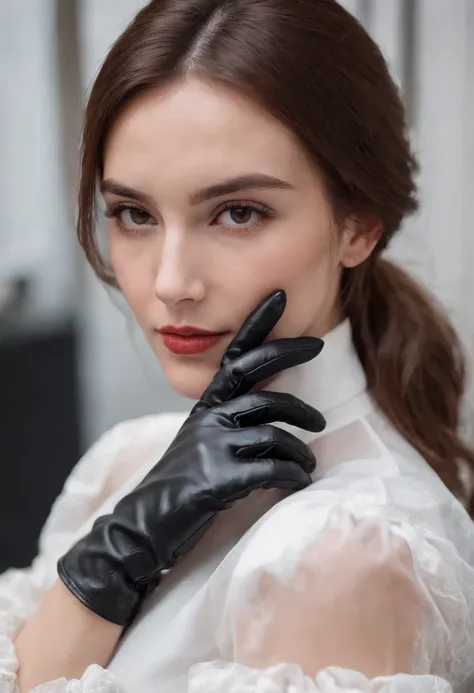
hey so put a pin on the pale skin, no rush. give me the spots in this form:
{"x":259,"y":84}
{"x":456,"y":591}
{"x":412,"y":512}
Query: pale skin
{"x":205,"y":263}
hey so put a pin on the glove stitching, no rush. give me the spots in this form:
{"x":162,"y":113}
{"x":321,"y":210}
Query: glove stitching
{"x":276,"y":358}
{"x":290,"y":405}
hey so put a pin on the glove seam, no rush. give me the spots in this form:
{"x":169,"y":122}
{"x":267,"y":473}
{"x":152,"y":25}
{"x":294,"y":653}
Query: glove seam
{"x":275,"y":358}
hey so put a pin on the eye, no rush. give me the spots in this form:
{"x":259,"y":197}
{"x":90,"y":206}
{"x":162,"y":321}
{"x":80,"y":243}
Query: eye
{"x":240,"y":216}
{"x":133,"y":215}
{"x":130,"y":218}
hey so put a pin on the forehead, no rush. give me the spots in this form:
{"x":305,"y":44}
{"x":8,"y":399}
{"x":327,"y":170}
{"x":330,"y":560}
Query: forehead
{"x":196,"y":128}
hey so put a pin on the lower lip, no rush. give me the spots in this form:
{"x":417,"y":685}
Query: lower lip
{"x":190,"y":344}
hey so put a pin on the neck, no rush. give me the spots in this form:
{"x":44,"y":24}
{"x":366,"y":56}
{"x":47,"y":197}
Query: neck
{"x":326,"y":323}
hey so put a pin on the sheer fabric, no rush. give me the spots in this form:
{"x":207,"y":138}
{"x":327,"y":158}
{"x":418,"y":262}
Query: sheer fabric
{"x":361,"y":583}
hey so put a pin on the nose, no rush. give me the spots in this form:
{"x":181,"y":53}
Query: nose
{"x":178,"y":271}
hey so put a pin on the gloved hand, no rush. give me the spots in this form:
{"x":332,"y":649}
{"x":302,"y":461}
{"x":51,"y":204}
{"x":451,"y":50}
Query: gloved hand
{"x":224,"y":450}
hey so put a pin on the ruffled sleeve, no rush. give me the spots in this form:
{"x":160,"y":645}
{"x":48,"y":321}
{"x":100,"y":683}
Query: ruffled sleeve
{"x":351,"y":586}
{"x":289,"y":678}
{"x":86,"y":489}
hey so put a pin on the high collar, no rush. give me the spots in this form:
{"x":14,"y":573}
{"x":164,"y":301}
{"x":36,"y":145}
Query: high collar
{"x":334,"y":382}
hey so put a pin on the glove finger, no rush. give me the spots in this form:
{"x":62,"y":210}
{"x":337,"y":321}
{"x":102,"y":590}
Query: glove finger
{"x":274,"y":473}
{"x":260,"y":408}
{"x":271,"y":442}
{"x":257,"y":326}
{"x":239,"y":376}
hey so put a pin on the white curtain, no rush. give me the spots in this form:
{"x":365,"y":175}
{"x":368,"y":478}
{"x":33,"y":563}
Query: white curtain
{"x":36,"y":237}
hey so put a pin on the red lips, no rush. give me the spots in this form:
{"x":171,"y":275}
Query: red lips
{"x":189,"y":340}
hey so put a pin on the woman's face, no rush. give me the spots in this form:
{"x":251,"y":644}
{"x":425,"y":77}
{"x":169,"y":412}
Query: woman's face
{"x":212,"y":207}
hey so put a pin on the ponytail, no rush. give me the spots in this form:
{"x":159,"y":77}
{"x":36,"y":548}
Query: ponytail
{"x":413,"y":361}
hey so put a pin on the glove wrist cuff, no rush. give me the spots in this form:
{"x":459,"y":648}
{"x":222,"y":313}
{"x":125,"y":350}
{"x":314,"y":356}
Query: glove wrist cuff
{"x":115,"y":602}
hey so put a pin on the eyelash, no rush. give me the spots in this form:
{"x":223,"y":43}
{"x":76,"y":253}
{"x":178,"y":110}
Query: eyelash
{"x":115,"y":211}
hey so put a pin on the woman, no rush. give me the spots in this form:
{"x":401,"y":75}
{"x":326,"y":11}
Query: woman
{"x":253,"y":160}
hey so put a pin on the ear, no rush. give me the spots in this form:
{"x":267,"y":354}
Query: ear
{"x":360,"y":237}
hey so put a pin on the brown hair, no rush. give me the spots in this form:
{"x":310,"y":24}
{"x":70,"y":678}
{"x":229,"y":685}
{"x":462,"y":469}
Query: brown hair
{"x":315,"y":68}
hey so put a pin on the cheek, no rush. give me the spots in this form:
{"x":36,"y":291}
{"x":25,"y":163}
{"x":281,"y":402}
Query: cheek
{"x":303,"y":264}
{"x":310,"y":279}
{"x":134,"y":274}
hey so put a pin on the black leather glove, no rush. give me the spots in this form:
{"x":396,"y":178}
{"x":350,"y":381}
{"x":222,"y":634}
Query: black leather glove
{"x":224,"y":450}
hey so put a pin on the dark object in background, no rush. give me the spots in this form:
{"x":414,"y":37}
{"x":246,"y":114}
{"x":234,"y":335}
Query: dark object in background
{"x":12,"y":296}
{"x":39,"y":434}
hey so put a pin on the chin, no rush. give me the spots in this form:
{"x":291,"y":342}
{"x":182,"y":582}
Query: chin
{"x":190,"y":380}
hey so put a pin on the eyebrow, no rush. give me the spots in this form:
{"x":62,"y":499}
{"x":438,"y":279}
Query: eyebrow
{"x":251,"y":181}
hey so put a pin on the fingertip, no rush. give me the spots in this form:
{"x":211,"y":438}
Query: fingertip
{"x":307,"y":481}
{"x":311,"y":345}
{"x":318,"y":421}
{"x":310,"y":465}
{"x":273,"y":306}
{"x":311,"y":348}
{"x":317,"y":344}
{"x":280,"y":298}
{"x":304,"y":349}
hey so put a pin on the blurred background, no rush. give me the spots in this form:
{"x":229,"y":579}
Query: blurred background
{"x":72,"y":363}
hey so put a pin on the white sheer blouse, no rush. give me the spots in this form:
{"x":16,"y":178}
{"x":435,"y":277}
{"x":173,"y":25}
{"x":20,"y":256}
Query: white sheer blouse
{"x":362,"y":583}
